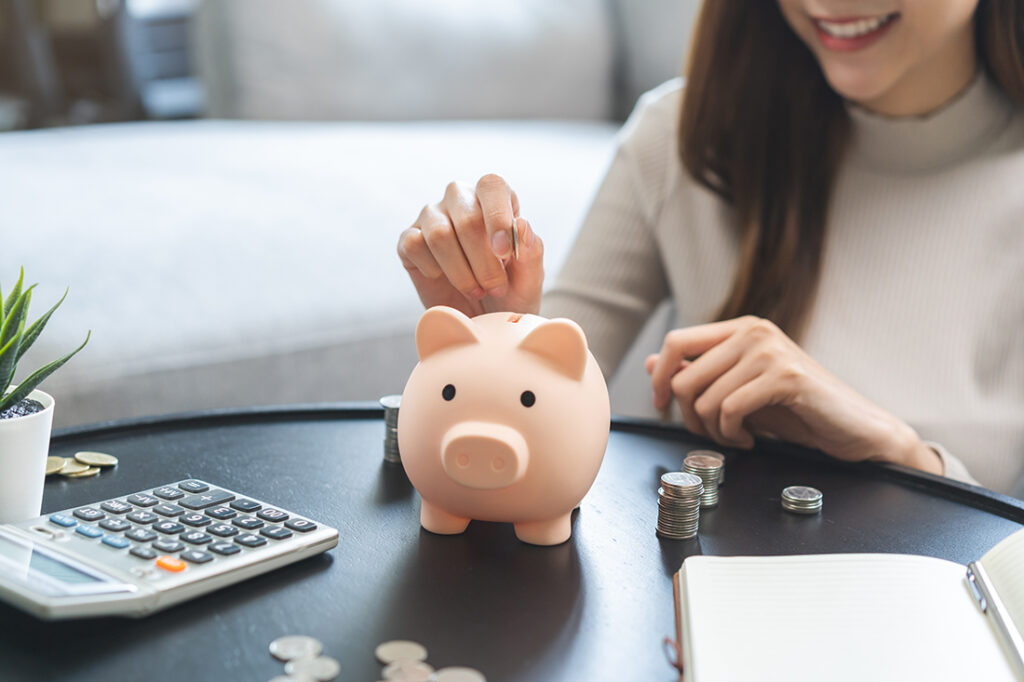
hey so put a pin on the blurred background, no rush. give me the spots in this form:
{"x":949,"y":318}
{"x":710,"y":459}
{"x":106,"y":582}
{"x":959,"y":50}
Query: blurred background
{"x":221,"y":183}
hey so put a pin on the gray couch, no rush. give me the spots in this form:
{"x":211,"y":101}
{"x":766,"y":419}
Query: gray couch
{"x":237,"y":261}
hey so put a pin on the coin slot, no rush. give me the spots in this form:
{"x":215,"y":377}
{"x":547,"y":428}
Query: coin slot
{"x":513,"y":318}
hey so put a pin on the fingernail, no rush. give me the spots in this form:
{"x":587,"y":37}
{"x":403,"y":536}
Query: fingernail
{"x":498,"y":292}
{"x":500,"y":244}
{"x":478,"y":293}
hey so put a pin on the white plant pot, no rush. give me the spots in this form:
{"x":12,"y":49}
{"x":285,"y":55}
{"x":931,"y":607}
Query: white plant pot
{"x":24,"y":445}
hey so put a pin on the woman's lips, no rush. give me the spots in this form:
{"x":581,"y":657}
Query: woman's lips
{"x":849,"y":34}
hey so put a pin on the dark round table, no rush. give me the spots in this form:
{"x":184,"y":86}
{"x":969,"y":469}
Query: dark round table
{"x":594,"y":608}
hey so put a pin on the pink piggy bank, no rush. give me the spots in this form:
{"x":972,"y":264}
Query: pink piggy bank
{"x":505,"y":418}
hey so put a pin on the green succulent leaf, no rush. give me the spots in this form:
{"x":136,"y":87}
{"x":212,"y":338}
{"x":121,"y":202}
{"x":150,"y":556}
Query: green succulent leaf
{"x":15,"y":293}
{"x":14,"y":323}
{"x":36,"y":328}
{"x":37,"y":377}
{"x":8,"y":362}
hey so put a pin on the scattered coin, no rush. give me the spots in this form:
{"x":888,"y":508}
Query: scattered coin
{"x":458,"y":674}
{"x":87,"y":473}
{"x":290,"y":647}
{"x":400,"y":650}
{"x":72,"y":466}
{"x":54,"y":464}
{"x":96,"y":459}
{"x":408,"y":671}
{"x":801,"y":499}
{"x":322,"y":668}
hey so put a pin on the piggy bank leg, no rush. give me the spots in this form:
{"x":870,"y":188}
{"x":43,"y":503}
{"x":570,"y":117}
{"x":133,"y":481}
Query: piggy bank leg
{"x":552,"y":532}
{"x":437,"y":520}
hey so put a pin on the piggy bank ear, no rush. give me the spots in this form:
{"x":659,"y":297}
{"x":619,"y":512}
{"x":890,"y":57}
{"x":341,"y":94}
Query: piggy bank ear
{"x":443,"y":327}
{"x":562,"y":342}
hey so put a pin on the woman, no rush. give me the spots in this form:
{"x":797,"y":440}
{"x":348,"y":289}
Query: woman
{"x":840,"y":184}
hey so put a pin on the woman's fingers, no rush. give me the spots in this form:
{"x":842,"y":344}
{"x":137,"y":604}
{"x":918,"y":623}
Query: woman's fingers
{"x":494,"y":198}
{"x":467,"y":218}
{"x":440,"y":237}
{"x":716,"y":401}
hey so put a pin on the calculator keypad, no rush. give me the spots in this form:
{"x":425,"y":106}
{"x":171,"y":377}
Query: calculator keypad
{"x":184,"y":524}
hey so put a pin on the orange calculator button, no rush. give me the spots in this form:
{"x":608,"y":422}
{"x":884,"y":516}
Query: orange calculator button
{"x":169,"y":563}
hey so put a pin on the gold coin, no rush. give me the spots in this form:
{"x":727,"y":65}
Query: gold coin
{"x":54,"y":464}
{"x":96,"y":459}
{"x":72,"y":466}
{"x":89,"y":471}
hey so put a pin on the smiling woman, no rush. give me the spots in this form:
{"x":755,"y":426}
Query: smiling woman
{"x":832,"y":204}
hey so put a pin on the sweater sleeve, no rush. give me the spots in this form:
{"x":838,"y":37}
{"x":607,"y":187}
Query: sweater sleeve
{"x":951,"y":466}
{"x":613,"y":277}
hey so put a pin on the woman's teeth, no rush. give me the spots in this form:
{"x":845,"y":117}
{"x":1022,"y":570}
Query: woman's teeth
{"x":854,"y":29}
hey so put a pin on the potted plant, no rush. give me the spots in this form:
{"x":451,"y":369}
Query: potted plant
{"x":26,"y":413}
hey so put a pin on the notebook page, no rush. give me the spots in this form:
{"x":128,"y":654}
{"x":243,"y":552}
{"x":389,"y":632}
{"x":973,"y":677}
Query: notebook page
{"x":836,"y":617}
{"x":1004,"y":564}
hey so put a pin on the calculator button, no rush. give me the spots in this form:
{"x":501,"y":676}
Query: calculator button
{"x":63,"y":520}
{"x":168,"y":527}
{"x":169,"y":563}
{"x":195,"y":520}
{"x":301,"y":525}
{"x":168,"y":493}
{"x":142,"y":552}
{"x":250,"y":540}
{"x":275,"y":532}
{"x":221,"y":513}
{"x":248,"y":523}
{"x":89,"y":514}
{"x":142,"y":517}
{"x":168,"y":509}
{"x":194,"y":537}
{"x":116,"y":507}
{"x":222,"y":530}
{"x":196,"y":557}
{"x":224,"y":548}
{"x":140,"y":535}
{"x":193,"y":486}
{"x":168,"y":545}
{"x":273,"y":515}
{"x":115,"y":541}
{"x":246,"y":505}
{"x":142,"y":500}
{"x":115,"y":525}
{"x":208,"y":499}
{"x":89,"y":531}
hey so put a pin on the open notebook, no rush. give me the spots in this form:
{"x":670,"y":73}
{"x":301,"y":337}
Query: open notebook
{"x":850,"y":617}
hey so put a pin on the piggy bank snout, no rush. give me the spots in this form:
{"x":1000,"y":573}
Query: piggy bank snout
{"x":484,"y":455}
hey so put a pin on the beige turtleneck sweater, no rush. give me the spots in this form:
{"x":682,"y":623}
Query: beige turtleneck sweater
{"x":921,"y":299}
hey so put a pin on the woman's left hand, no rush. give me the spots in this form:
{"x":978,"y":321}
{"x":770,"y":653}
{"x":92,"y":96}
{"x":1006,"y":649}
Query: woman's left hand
{"x":744,"y":377}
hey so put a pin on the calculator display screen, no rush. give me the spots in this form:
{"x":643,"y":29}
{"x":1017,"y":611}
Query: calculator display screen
{"x":30,"y":562}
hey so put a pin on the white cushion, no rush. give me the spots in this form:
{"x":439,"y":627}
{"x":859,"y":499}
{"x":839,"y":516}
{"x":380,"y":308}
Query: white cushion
{"x":222,"y":264}
{"x":405,"y":59}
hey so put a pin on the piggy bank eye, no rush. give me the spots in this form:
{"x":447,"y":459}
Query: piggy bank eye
{"x":448,"y":392}
{"x":527,"y":398}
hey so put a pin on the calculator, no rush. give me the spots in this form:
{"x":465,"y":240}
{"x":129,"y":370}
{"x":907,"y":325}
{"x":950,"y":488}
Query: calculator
{"x":136,"y":554}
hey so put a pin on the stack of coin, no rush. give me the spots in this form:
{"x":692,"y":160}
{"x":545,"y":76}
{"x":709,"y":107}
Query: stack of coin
{"x":679,"y":503}
{"x":801,"y":499}
{"x":303,"y":660}
{"x":709,"y":469}
{"x":717,"y":455}
{"x":82,"y":465}
{"x":391,"y":403}
{"x":406,"y":661}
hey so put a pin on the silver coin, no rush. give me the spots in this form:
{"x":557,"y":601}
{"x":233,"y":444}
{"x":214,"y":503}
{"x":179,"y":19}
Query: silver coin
{"x":717,"y":455}
{"x":408,"y":671}
{"x":515,"y":238}
{"x":291,"y":647}
{"x":802,"y":493}
{"x":680,"y":479}
{"x":400,"y":650}
{"x":322,"y":668}
{"x":704,"y":462}
{"x":459,"y":674}
{"x":391,"y":402}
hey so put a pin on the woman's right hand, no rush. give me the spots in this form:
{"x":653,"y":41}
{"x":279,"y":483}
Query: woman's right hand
{"x":459,"y":251}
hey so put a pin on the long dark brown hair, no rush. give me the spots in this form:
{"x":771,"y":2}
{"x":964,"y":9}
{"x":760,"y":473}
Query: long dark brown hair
{"x":761,"y":127}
